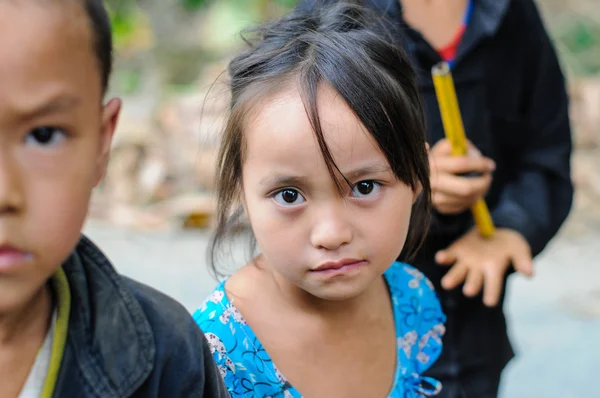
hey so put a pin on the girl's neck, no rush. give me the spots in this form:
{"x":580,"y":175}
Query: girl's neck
{"x":29,"y":321}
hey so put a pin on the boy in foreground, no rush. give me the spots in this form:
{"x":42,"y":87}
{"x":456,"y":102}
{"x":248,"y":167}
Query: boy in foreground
{"x":70,"y":326}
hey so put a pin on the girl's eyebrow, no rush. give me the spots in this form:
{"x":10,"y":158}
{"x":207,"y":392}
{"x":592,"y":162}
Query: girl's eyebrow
{"x":281,"y":179}
{"x":356,"y":174}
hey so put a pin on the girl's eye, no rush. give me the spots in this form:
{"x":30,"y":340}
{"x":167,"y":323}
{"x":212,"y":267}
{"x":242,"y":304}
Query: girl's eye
{"x":366,"y":189}
{"x":288,"y":197}
{"x":45,"y":136}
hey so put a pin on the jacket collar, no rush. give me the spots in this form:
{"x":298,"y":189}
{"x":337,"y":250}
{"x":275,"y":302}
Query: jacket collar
{"x":109,"y":335}
{"x":489,"y":14}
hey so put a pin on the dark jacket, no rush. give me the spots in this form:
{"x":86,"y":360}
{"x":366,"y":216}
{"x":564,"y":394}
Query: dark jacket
{"x":515,"y":110}
{"x":129,"y":340}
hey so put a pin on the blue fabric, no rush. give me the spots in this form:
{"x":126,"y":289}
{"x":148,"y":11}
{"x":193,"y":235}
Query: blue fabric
{"x":465,"y":23}
{"x":248,"y":370}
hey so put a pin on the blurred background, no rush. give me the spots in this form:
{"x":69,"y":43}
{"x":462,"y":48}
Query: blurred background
{"x":152,"y":214}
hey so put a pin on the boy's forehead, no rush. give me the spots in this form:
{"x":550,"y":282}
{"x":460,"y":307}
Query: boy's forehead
{"x":66,"y":18}
{"x":45,"y":45}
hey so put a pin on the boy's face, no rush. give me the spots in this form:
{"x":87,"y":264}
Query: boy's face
{"x":54,"y":140}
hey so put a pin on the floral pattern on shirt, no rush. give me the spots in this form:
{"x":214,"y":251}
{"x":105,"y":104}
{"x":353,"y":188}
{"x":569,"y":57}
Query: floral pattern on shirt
{"x":249,"y":372}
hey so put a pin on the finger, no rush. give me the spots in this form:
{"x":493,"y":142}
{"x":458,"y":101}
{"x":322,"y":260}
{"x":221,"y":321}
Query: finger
{"x":462,"y":164}
{"x":455,"y":276}
{"x":492,"y":288}
{"x":472,"y":150}
{"x":448,"y":204}
{"x":465,"y":188}
{"x":445,"y":257}
{"x":442,"y":147}
{"x":473,"y":282}
{"x":523,"y":262}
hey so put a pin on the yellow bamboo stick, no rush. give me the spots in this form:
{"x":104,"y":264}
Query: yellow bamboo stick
{"x":455,"y":133}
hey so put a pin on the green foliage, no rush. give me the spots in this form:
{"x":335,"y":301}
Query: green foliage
{"x":579,"y":45}
{"x":124,"y":19}
{"x":125,"y":15}
{"x":240,"y":4}
{"x":250,"y":3}
{"x":194,"y":5}
{"x":581,"y":37}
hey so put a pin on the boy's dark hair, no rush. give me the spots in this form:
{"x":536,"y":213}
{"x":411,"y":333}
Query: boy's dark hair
{"x":351,"y":50}
{"x":101,"y":36}
{"x":102,"y":43}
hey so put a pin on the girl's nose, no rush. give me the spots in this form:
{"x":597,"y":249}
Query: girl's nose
{"x":331,"y":231}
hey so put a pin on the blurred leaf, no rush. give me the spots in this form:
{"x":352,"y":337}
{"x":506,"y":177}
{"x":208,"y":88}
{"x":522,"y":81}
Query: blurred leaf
{"x":580,"y":34}
{"x":579,"y":45}
{"x":287,"y":3}
{"x":127,"y":81}
{"x":130,"y":28}
{"x":194,"y":5}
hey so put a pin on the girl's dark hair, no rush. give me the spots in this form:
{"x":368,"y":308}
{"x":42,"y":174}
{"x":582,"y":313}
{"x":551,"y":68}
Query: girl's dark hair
{"x":354,"y":52}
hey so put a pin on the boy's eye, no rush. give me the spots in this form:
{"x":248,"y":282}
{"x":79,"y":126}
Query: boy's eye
{"x":288,"y":197}
{"x":45,"y":136}
{"x":365,"y":189}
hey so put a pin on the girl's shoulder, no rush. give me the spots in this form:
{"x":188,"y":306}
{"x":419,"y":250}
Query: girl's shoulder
{"x":241,"y":359}
{"x":217,"y":315}
{"x":216,"y":320}
{"x":413,"y":293}
{"x":401,"y":276}
{"x":419,"y":325}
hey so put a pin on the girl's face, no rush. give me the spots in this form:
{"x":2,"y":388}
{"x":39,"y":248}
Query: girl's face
{"x":331,"y":245}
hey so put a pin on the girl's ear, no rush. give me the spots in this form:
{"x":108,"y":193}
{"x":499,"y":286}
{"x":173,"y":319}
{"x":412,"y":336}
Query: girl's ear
{"x":244,"y":209}
{"x":243,"y":205}
{"x":419,"y":189}
{"x":242,"y":199}
{"x":417,"y":192}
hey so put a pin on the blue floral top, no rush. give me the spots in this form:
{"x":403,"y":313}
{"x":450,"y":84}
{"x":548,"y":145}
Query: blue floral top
{"x":249,"y":372}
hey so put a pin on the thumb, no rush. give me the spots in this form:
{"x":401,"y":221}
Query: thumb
{"x":473,"y":151}
{"x":442,"y":147}
{"x":445,"y":257}
{"x":523,"y":262}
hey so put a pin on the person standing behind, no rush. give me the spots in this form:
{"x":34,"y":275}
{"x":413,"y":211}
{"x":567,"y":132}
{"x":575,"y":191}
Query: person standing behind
{"x":514,"y":105}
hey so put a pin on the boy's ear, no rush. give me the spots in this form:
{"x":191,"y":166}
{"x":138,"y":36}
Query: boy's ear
{"x":110,"y":117}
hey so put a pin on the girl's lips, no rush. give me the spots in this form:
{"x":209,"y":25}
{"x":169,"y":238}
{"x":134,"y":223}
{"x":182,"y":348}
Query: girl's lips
{"x":339,"y":267}
{"x":329,"y":265}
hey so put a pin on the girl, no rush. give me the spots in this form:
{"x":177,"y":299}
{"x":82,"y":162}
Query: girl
{"x":325,"y":154}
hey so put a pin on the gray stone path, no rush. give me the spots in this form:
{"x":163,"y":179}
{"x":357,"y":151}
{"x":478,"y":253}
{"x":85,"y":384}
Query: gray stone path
{"x":554,"y":318}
